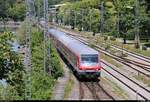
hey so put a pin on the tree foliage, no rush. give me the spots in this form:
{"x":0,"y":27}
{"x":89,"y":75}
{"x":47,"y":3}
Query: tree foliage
{"x":82,"y":14}
{"x":120,"y":13}
{"x":13,"y":9}
{"x":42,"y":82}
{"x":11,"y":67}
{"x":17,"y":12}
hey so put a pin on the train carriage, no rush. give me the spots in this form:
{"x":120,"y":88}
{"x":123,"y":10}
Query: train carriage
{"x":84,"y":59}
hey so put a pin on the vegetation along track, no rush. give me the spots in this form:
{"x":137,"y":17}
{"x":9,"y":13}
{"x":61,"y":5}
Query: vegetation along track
{"x":96,"y":90}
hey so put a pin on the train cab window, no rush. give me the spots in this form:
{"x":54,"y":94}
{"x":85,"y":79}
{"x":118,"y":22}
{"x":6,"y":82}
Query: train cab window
{"x":89,"y":59}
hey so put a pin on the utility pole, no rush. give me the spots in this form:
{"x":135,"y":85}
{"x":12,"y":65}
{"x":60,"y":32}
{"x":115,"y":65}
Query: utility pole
{"x":75,"y":19}
{"x":64,"y":18}
{"x":49,"y":59}
{"x":102,"y":17}
{"x":33,"y":8}
{"x":28,"y":65}
{"x":137,"y":37}
{"x":118,"y":24}
{"x":38,"y":13}
{"x":45,"y":31}
{"x":69,"y":18}
{"x":82,"y":10}
{"x":90,"y":21}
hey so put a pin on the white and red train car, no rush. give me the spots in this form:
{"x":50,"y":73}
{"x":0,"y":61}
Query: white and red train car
{"x":84,"y":59}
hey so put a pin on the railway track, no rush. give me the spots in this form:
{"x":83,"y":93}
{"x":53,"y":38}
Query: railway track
{"x":89,"y":87}
{"x":136,"y":55}
{"x":142,"y":92}
{"x":138,"y":63}
{"x":141,"y":69}
{"x":96,"y":90}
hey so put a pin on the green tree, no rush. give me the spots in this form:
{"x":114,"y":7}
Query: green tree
{"x":4,"y":5}
{"x":14,"y":9}
{"x":17,"y":12}
{"x":119,"y":17}
{"x":42,"y":82}
{"x":11,"y":67}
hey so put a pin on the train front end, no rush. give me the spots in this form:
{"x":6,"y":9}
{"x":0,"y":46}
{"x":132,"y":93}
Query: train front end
{"x":89,"y":65}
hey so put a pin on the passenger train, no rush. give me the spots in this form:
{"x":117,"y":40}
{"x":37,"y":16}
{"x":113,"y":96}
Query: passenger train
{"x":84,"y":60}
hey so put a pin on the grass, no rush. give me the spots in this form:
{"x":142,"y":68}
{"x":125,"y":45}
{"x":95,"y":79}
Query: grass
{"x":117,"y":89}
{"x":129,"y":47}
{"x":68,"y":87}
{"x":21,"y":33}
{"x":144,"y":41}
{"x":110,"y":60}
{"x":144,"y":79}
{"x":1,"y":91}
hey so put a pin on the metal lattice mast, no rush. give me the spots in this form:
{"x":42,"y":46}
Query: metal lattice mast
{"x":102,"y":17}
{"x":28,"y":53}
{"x":90,"y":21}
{"x":75,"y":19}
{"x":137,"y":38}
{"x":34,"y":11}
{"x":45,"y":30}
{"x":82,"y":19}
{"x":118,"y":24}
{"x":38,"y":12}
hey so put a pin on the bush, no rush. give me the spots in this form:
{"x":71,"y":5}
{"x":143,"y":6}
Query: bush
{"x":107,"y":47}
{"x":125,"y":55}
{"x":112,"y":38}
{"x":144,"y":47}
{"x":92,"y":45}
{"x":57,"y":70}
{"x":105,"y":38}
{"x":42,"y":86}
{"x":147,"y":45}
{"x":109,"y":4}
{"x":130,"y":35}
{"x":42,"y":82}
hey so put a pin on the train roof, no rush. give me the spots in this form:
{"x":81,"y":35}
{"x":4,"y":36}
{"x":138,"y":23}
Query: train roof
{"x":73,"y":44}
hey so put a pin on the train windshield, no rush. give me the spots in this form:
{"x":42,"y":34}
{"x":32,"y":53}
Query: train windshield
{"x":89,"y":59}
